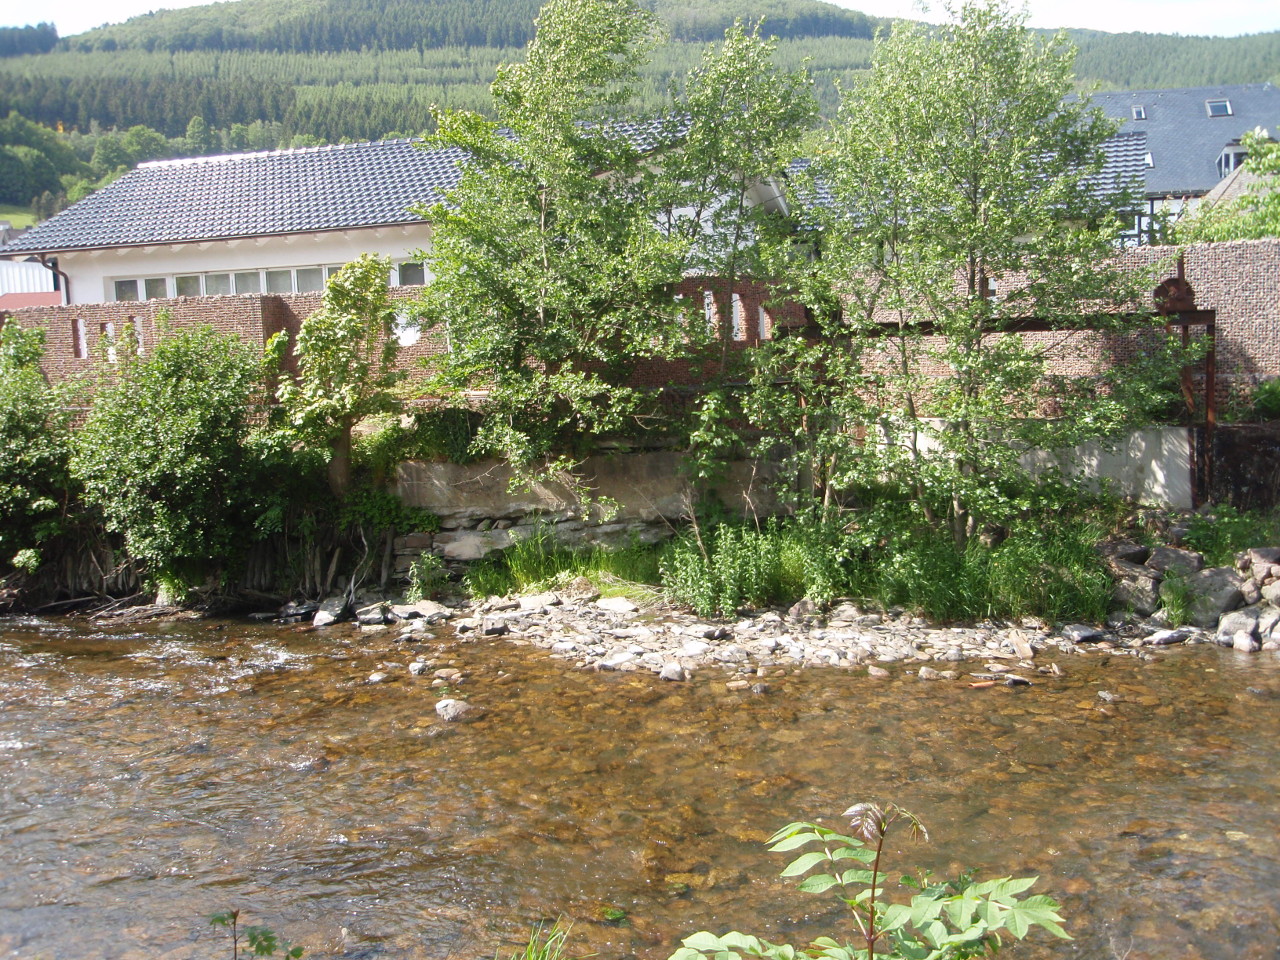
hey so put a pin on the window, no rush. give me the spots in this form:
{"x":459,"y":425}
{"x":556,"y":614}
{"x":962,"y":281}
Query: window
{"x":1218,"y":108}
{"x":739,"y":319}
{"x":187,"y":286}
{"x":709,"y":308}
{"x":217,"y":284}
{"x":412,"y":275}
{"x":406,"y":329}
{"x":156,"y":288}
{"x":279,"y":281}
{"x":138,"y":344}
{"x":80,"y":338}
{"x":108,"y":333}
{"x":126,"y":290}
{"x":310,"y":279}
{"x":1139,"y":112}
{"x":249,"y":282}
{"x":1149,"y":160}
{"x":762,"y":322}
{"x":1233,"y":154}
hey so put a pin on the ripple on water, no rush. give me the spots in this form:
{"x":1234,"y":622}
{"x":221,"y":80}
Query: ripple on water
{"x":167,"y":773}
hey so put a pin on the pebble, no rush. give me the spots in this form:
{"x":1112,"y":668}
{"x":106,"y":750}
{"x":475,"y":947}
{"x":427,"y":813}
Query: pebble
{"x":452,"y":711}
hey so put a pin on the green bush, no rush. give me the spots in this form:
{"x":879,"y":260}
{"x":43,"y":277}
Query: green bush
{"x":163,"y":454}
{"x":942,"y":920}
{"x":540,"y":561}
{"x":1225,"y":531}
{"x":1045,"y":567}
{"x":736,"y":565}
{"x":1266,"y":400}
{"x":35,"y":448}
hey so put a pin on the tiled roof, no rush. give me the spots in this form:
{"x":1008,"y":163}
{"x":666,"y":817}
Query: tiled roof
{"x":269,"y":194}
{"x":1184,"y":140}
{"x":251,"y":194}
{"x":1124,"y":167}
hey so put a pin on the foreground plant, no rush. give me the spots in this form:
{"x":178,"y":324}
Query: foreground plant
{"x":258,"y":941}
{"x":950,"y":920}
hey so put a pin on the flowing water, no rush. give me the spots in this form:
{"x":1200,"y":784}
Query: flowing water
{"x":152,"y":776}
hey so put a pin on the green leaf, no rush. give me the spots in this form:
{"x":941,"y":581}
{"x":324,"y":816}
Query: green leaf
{"x":792,"y":841}
{"x":818,"y":883}
{"x":803,"y":864}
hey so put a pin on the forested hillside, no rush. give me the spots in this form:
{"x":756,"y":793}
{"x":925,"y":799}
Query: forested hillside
{"x":257,"y":74}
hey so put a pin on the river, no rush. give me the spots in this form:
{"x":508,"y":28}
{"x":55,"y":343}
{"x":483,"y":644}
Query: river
{"x":151,"y":776}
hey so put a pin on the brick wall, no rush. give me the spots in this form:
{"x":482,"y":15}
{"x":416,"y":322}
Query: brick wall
{"x":1241,"y":281}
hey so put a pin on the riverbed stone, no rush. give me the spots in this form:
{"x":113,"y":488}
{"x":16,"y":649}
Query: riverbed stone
{"x":672,"y":671}
{"x":616,"y":605}
{"x":373,"y":614}
{"x":331,"y":610}
{"x":1246,"y":642}
{"x":1138,"y":594}
{"x":453,"y":711}
{"x":427,"y":610}
{"x":1083,"y":633}
{"x":1235,"y":623}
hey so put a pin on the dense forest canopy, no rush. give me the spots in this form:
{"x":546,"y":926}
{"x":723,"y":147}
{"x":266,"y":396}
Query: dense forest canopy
{"x":258,"y":74}
{"x":312,"y":26}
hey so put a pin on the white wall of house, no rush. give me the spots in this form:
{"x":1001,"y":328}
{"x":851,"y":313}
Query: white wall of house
{"x":93,"y":273}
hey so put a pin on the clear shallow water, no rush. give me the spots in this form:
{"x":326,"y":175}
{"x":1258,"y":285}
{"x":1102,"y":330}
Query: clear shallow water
{"x":152,"y":776}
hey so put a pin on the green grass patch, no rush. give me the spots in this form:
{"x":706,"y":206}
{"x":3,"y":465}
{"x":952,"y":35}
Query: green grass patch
{"x":1224,"y":532}
{"x":540,"y":562}
{"x":17,"y":216}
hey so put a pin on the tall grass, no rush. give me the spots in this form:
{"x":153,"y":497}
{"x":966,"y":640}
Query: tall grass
{"x":1043,"y":568}
{"x":540,"y":561}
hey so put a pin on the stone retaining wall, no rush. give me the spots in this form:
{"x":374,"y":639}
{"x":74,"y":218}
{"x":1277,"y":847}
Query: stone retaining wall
{"x":624,"y":497}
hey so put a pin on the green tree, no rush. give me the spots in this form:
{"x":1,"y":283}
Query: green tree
{"x":557,"y":256}
{"x":346,"y":363}
{"x":35,"y":446}
{"x":958,"y":204}
{"x":1255,"y":214}
{"x":163,"y":457}
{"x":199,"y":138}
{"x":547,"y":254}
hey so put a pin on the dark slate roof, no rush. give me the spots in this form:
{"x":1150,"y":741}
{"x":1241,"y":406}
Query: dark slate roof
{"x":1184,"y":141}
{"x":1122,"y":171}
{"x":1124,"y":166}
{"x":270,"y":194}
{"x":251,"y":194}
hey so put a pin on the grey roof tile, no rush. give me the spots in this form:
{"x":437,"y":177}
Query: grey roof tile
{"x":252,"y":194}
{"x":1183,"y":139}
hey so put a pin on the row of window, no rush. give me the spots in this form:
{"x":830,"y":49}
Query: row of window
{"x":290,"y":280}
{"x":130,"y":331}
{"x":1214,"y":108}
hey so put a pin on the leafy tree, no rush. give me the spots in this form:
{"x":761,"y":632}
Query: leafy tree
{"x":958,"y":204}
{"x":163,"y":457}
{"x":200,"y":139}
{"x":35,"y":446}
{"x":1251,"y":216}
{"x":556,"y":258}
{"x":346,"y":363}
{"x":547,"y":253}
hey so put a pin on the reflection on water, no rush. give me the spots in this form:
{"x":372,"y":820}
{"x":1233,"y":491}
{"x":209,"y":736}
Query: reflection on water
{"x":150,"y":777}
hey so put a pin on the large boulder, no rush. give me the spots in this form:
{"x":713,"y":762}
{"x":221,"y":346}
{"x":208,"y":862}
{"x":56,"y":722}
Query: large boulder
{"x":331,"y":611}
{"x":1213,"y":591}
{"x":1173,"y":560}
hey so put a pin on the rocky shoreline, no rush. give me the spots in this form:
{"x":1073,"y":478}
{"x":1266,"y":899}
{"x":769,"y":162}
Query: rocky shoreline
{"x":589,"y":632}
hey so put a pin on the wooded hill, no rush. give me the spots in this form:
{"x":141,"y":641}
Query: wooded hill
{"x":360,"y":69}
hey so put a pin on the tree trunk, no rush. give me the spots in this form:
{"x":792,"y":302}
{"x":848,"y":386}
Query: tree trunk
{"x":340,"y":463}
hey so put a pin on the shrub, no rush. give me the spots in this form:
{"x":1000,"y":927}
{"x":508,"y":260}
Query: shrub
{"x":35,"y":447}
{"x":163,"y":456}
{"x":1266,"y":400}
{"x":948,"y":920}
{"x":1225,"y":531}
